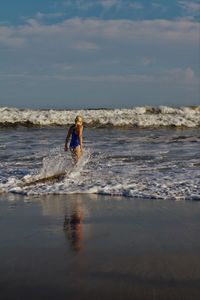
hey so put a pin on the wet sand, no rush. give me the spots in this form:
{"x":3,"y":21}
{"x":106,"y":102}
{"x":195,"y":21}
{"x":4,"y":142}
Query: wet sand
{"x":98,"y":247}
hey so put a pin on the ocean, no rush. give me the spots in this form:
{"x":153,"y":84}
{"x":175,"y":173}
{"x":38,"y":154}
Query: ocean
{"x":148,"y":161}
{"x":121,"y":224}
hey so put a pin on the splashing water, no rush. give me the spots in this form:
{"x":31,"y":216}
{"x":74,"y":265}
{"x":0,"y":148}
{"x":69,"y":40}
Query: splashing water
{"x":55,"y":163}
{"x":158,"y":164}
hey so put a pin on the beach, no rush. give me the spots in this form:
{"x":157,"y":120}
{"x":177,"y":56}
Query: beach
{"x":123,"y":223}
{"x":98,"y":247}
{"x":99,"y":150}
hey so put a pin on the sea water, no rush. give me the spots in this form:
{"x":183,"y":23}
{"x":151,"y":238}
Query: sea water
{"x":155,"y":163}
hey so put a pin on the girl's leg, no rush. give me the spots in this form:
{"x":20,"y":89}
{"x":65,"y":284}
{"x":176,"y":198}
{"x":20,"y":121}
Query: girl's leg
{"x":77,"y":153}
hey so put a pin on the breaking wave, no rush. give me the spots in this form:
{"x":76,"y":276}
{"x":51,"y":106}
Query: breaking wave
{"x":142,"y":117}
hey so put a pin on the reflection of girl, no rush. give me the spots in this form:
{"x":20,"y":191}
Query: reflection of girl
{"x":76,"y":144}
{"x":73,"y":230}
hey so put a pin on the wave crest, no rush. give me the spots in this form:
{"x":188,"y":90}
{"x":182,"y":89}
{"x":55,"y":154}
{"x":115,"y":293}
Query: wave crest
{"x":143,"y":117}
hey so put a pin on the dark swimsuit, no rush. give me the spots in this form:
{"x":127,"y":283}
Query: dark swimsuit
{"x":75,"y":141}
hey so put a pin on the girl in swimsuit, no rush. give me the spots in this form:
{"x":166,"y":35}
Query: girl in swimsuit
{"x":76,"y":144}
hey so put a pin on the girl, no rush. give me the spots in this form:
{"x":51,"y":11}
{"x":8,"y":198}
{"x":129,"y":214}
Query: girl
{"x":76,"y":143}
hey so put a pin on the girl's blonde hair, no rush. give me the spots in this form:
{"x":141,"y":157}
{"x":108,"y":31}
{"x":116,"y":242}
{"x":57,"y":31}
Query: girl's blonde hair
{"x":79,"y":120}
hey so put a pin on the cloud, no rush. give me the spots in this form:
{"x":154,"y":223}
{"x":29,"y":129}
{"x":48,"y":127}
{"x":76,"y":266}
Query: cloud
{"x":103,"y":56}
{"x":173,"y":75}
{"x":41,"y":16}
{"x":146,"y":61}
{"x":190,"y":8}
{"x":185,"y":75}
{"x":110,"y":3}
{"x":105,"y":5}
{"x":97,"y":78}
{"x":96,"y":34}
{"x":120,"y":4}
{"x":81,"y":5}
{"x":84,"y":46}
{"x":160,"y":7}
{"x":136,"y":6}
{"x":9,"y":38}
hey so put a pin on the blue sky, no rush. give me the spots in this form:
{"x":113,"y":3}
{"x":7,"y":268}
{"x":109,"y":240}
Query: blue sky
{"x":99,"y":53}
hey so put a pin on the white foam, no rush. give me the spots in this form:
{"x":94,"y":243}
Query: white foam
{"x":158,"y":164}
{"x":138,"y":116}
{"x":142,"y":182}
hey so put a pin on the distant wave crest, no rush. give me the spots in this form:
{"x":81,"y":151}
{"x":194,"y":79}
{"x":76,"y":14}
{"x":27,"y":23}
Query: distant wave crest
{"x":142,"y":117}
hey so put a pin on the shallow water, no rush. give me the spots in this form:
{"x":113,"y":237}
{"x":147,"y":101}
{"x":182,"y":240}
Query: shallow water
{"x":146,"y":163}
{"x":98,"y":247}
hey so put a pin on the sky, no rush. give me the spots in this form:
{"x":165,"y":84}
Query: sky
{"x":72,"y":54}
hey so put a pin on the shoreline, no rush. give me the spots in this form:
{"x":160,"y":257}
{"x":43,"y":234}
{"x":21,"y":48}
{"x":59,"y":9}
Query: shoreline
{"x":86,"y":247}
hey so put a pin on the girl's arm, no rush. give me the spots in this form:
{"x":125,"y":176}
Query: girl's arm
{"x":67,"y":138}
{"x":80,"y":134}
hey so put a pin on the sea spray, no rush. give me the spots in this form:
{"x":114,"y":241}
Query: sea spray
{"x":56,"y":163}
